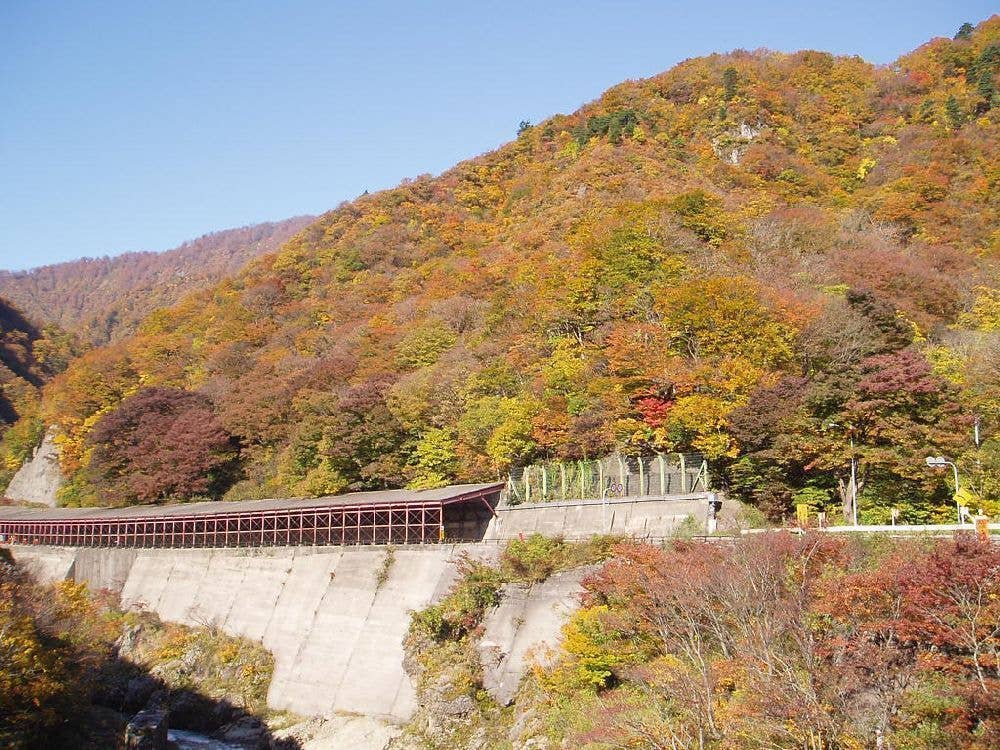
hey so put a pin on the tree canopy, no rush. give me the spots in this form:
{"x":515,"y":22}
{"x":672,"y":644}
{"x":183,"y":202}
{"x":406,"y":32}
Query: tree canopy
{"x":160,"y":444}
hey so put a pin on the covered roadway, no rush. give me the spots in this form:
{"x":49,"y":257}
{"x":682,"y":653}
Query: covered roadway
{"x":455,"y":513}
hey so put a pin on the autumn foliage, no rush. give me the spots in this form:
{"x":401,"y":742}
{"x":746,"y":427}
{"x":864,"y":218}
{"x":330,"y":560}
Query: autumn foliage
{"x":103,"y":299}
{"x":29,"y":356}
{"x":52,"y":638}
{"x":161,"y":444}
{"x":655,"y":272}
{"x":778,"y":641}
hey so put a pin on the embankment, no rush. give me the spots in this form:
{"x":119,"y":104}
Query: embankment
{"x":335,"y":617}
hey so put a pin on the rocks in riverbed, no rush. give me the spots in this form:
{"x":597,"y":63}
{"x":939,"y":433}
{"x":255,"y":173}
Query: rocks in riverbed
{"x":147,"y":731}
{"x":138,"y":692}
{"x":246,"y":733}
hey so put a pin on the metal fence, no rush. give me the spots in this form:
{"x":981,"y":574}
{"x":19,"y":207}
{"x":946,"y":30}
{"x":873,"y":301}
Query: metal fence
{"x":612,"y":476}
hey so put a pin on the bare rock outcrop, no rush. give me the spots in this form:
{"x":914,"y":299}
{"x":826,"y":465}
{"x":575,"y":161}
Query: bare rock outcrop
{"x":336,"y":732}
{"x":38,"y":480}
{"x":524,"y":627}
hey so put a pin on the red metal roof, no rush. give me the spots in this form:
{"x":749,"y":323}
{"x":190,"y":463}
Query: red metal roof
{"x":440,"y":496}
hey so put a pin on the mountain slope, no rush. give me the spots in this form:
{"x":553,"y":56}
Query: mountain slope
{"x":29,"y":357}
{"x":656,"y":271}
{"x":105,"y":298}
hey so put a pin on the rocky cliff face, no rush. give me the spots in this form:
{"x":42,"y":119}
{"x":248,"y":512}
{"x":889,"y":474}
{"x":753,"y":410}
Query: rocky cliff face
{"x":524,"y":628}
{"x":39,"y":478}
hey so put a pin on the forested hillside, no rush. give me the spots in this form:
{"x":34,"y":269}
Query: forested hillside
{"x":29,"y":356}
{"x":762,"y":257}
{"x":103,"y":299}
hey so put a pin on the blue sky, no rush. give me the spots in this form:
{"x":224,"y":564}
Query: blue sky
{"x":138,"y":125}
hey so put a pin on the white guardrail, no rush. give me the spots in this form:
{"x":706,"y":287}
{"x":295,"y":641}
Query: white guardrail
{"x":936,"y":528}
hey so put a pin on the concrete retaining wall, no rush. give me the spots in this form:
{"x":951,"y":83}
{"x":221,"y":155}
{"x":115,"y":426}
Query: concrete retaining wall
{"x":641,"y":517}
{"x":46,"y":563}
{"x":336,"y":634}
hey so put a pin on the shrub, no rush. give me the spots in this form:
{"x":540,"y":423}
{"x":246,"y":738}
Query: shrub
{"x":461,"y":611}
{"x":593,"y":650}
{"x":536,"y":557}
{"x":533,"y":558}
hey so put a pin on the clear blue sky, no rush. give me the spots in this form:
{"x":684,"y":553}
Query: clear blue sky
{"x":138,"y":125}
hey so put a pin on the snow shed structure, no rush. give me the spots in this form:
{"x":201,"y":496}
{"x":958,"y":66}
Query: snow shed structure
{"x":458,"y":513}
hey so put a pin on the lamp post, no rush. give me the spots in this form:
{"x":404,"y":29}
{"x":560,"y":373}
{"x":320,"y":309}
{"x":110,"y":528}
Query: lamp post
{"x":939,"y":462}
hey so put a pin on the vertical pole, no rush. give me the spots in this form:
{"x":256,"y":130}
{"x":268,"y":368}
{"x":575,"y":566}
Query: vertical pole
{"x":642,"y":478}
{"x":684,"y":479}
{"x":958,"y":505}
{"x":621,"y":473}
{"x":600,"y":476}
{"x":527,"y":484}
{"x":562,"y":476}
{"x":583,"y":494}
{"x":854,"y":484}
{"x":663,"y":474}
{"x":545,"y":482}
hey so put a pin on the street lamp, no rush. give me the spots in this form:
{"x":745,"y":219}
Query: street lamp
{"x":939,"y":462}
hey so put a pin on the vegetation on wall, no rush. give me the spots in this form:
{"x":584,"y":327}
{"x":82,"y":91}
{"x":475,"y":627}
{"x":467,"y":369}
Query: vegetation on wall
{"x":442,"y":656}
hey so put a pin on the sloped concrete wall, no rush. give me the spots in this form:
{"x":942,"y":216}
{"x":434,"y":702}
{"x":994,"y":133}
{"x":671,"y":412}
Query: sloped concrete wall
{"x":103,"y":568}
{"x":336,"y":633}
{"x":336,"y":630}
{"x":46,"y":563}
{"x":640,"y":517}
